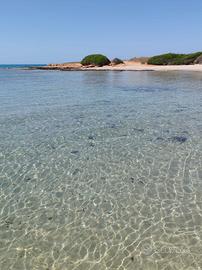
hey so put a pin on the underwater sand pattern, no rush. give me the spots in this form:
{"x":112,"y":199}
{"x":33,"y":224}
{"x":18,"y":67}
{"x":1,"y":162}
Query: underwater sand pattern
{"x":100,"y":171}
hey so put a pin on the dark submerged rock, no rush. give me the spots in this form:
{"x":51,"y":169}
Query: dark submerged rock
{"x":75,"y":171}
{"x":178,"y":110}
{"x":139,"y":129}
{"x":159,"y":139}
{"x":91,"y":137}
{"x":141,"y":182}
{"x":28,"y":179}
{"x":179,"y":139}
{"x":112,"y":126}
{"x":132,"y":180}
{"x":92,"y":144}
{"x":74,"y":152}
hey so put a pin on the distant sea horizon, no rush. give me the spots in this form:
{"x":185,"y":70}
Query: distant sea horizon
{"x":9,"y":66}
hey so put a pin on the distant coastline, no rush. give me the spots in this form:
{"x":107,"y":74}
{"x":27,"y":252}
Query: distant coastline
{"x":163,"y":62}
{"x":126,"y":66}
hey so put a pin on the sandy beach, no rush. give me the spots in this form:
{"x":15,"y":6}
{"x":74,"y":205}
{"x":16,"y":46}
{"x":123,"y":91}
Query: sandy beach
{"x":127,"y":66}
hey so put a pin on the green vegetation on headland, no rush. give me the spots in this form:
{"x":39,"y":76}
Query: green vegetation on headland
{"x":98,"y":60}
{"x":116,"y":61}
{"x":175,"y":59}
{"x":95,"y":60}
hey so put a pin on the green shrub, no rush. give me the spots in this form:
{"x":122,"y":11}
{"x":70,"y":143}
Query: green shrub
{"x":174,"y":59}
{"x":96,"y":60}
{"x":117,"y":61}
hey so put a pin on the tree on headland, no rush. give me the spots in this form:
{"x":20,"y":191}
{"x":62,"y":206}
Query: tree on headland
{"x":98,"y":60}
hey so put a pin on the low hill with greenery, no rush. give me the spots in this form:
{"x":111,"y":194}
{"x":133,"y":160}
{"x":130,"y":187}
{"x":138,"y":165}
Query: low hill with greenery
{"x":117,"y":61}
{"x":174,"y":59}
{"x":95,"y":60}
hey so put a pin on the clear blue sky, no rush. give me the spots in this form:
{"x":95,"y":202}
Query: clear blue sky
{"x":45,"y":31}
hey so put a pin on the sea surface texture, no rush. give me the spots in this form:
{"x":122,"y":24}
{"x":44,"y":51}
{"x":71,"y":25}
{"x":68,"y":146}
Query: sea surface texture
{"x":100,"y":170}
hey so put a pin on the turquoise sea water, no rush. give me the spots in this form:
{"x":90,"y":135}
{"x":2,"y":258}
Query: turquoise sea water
{"x":6,"y":66}
{"x":100,"y":170}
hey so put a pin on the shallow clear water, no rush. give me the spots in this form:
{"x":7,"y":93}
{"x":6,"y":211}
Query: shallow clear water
{"x":100,"y":170}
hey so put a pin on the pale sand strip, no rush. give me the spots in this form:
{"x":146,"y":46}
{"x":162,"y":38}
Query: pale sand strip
{"x":128,"y":65}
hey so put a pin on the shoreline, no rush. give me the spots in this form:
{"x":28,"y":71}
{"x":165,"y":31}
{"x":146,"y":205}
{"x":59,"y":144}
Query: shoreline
{"x":127,"y":66}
